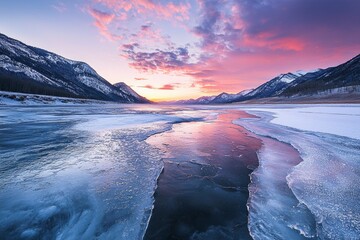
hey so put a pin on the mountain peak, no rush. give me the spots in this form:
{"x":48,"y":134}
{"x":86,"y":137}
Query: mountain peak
{"x":33,"y":70}
{"x":289,"y":77}
{"x":128,"y":90}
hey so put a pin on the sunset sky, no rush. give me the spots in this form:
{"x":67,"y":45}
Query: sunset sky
{"x":168,"y":50}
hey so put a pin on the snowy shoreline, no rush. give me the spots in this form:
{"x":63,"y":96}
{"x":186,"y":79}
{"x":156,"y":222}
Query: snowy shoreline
{"x":327,"y":118}
{"x":27,"y":99}
{"x":322,"y":182}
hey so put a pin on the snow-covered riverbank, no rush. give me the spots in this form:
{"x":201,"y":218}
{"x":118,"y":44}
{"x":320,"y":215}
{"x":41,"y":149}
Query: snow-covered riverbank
{"x":14,"y":98}
{"x":323,"y":183}
{"x":338,"y":119}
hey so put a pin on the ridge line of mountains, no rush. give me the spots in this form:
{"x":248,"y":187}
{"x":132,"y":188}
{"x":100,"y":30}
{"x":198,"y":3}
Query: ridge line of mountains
{"x":333,"y":84}
{"x":32,"y":70}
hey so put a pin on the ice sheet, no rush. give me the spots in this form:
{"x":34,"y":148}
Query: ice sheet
{"x":274,"y":211}
{"x":79,"y":172}
{"x":86,"y":172}
{"x":325,"y":182}
{"x":341,"y":120}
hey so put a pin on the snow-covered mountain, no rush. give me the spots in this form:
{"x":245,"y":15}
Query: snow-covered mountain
{"x":228,"y":97}
{"x":28,"y":69}
{"x":200,"y":100}
{"x":338,"y":82}
{"x":330,"y":80}
{"x":125,"y":88}
{"x":275,"y":86}
{"x":271,"y":88}
{"x":221,"y":98}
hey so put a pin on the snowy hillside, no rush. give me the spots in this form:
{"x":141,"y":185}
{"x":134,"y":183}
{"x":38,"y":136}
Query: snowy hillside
{"x":333,"y":84}
{"x":228,"y":97}
{"x":221,"y":98}
{"x":32,"y":70}
{"x":274,"y":86}
{"x":343,"y":79}
{"x":327,"y":80}
{"x":200,"y":100}
{"x":128,"y":90}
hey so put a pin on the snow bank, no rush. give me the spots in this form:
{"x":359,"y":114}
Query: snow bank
{"x":325,"y":181}
{"x":274,"y":211}
{"x":342,"y":120}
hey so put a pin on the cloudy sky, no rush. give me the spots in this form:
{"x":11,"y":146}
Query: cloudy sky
{"x":181,"y":49}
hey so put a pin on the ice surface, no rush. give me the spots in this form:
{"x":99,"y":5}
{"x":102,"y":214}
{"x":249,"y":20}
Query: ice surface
{"x":104,"y":122}
{"x":325,"y":182}
{"x":274,"y":211}
{"x":334,"y":119}
{"x":64,"y":178}
{"x":85,"y":172}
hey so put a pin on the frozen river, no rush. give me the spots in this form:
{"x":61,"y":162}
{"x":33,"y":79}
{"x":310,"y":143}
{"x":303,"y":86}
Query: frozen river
{"x":90,"y":172}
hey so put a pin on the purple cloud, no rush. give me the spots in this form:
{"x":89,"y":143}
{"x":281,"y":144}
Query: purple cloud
{"x":157,"y":60}
{"x":316,"y":23}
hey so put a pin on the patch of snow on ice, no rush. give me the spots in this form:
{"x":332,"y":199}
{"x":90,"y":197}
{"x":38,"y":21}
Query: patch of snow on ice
{"x":324,"y":180}
{"x":340,"y":120}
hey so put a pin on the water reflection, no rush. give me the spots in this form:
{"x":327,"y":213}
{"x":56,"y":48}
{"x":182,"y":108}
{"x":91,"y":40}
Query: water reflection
{"x":202,"y":192}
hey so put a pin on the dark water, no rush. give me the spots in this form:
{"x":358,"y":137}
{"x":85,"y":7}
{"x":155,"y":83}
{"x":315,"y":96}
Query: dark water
{"x":202,"y":192}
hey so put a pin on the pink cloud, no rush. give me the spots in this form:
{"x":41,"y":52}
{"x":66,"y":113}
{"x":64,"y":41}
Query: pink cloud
{"x":264,"y":40}
{"x":167,"y":87}
{"x":148,"y":86}
{"x":164,"y":87}
{"x":102,"y":21}
{"x":179,"y":11}
{"x":242,"y":43}
{"x":150,"y":37}
{"x":157,"y":60}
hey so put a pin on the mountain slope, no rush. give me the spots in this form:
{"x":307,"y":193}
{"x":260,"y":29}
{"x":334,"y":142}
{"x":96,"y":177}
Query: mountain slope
{"x":200,"y":100}
{"x":274,"y":86}
{"x":344,"y":76}
{"x":334,"y":84}
{"x":128,"y":90}
{"x":33,"y":70}
{"x":228,"y":97}
{"x":221,"y":98}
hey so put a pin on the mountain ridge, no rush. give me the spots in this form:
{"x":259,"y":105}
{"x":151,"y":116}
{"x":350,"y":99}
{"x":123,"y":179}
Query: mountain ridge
{"x":320,"y":83}
{"x":34,"y":70}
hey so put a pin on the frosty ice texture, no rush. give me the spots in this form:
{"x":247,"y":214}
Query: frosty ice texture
{"x":324,"y":182}
{"x":78,"y":172}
